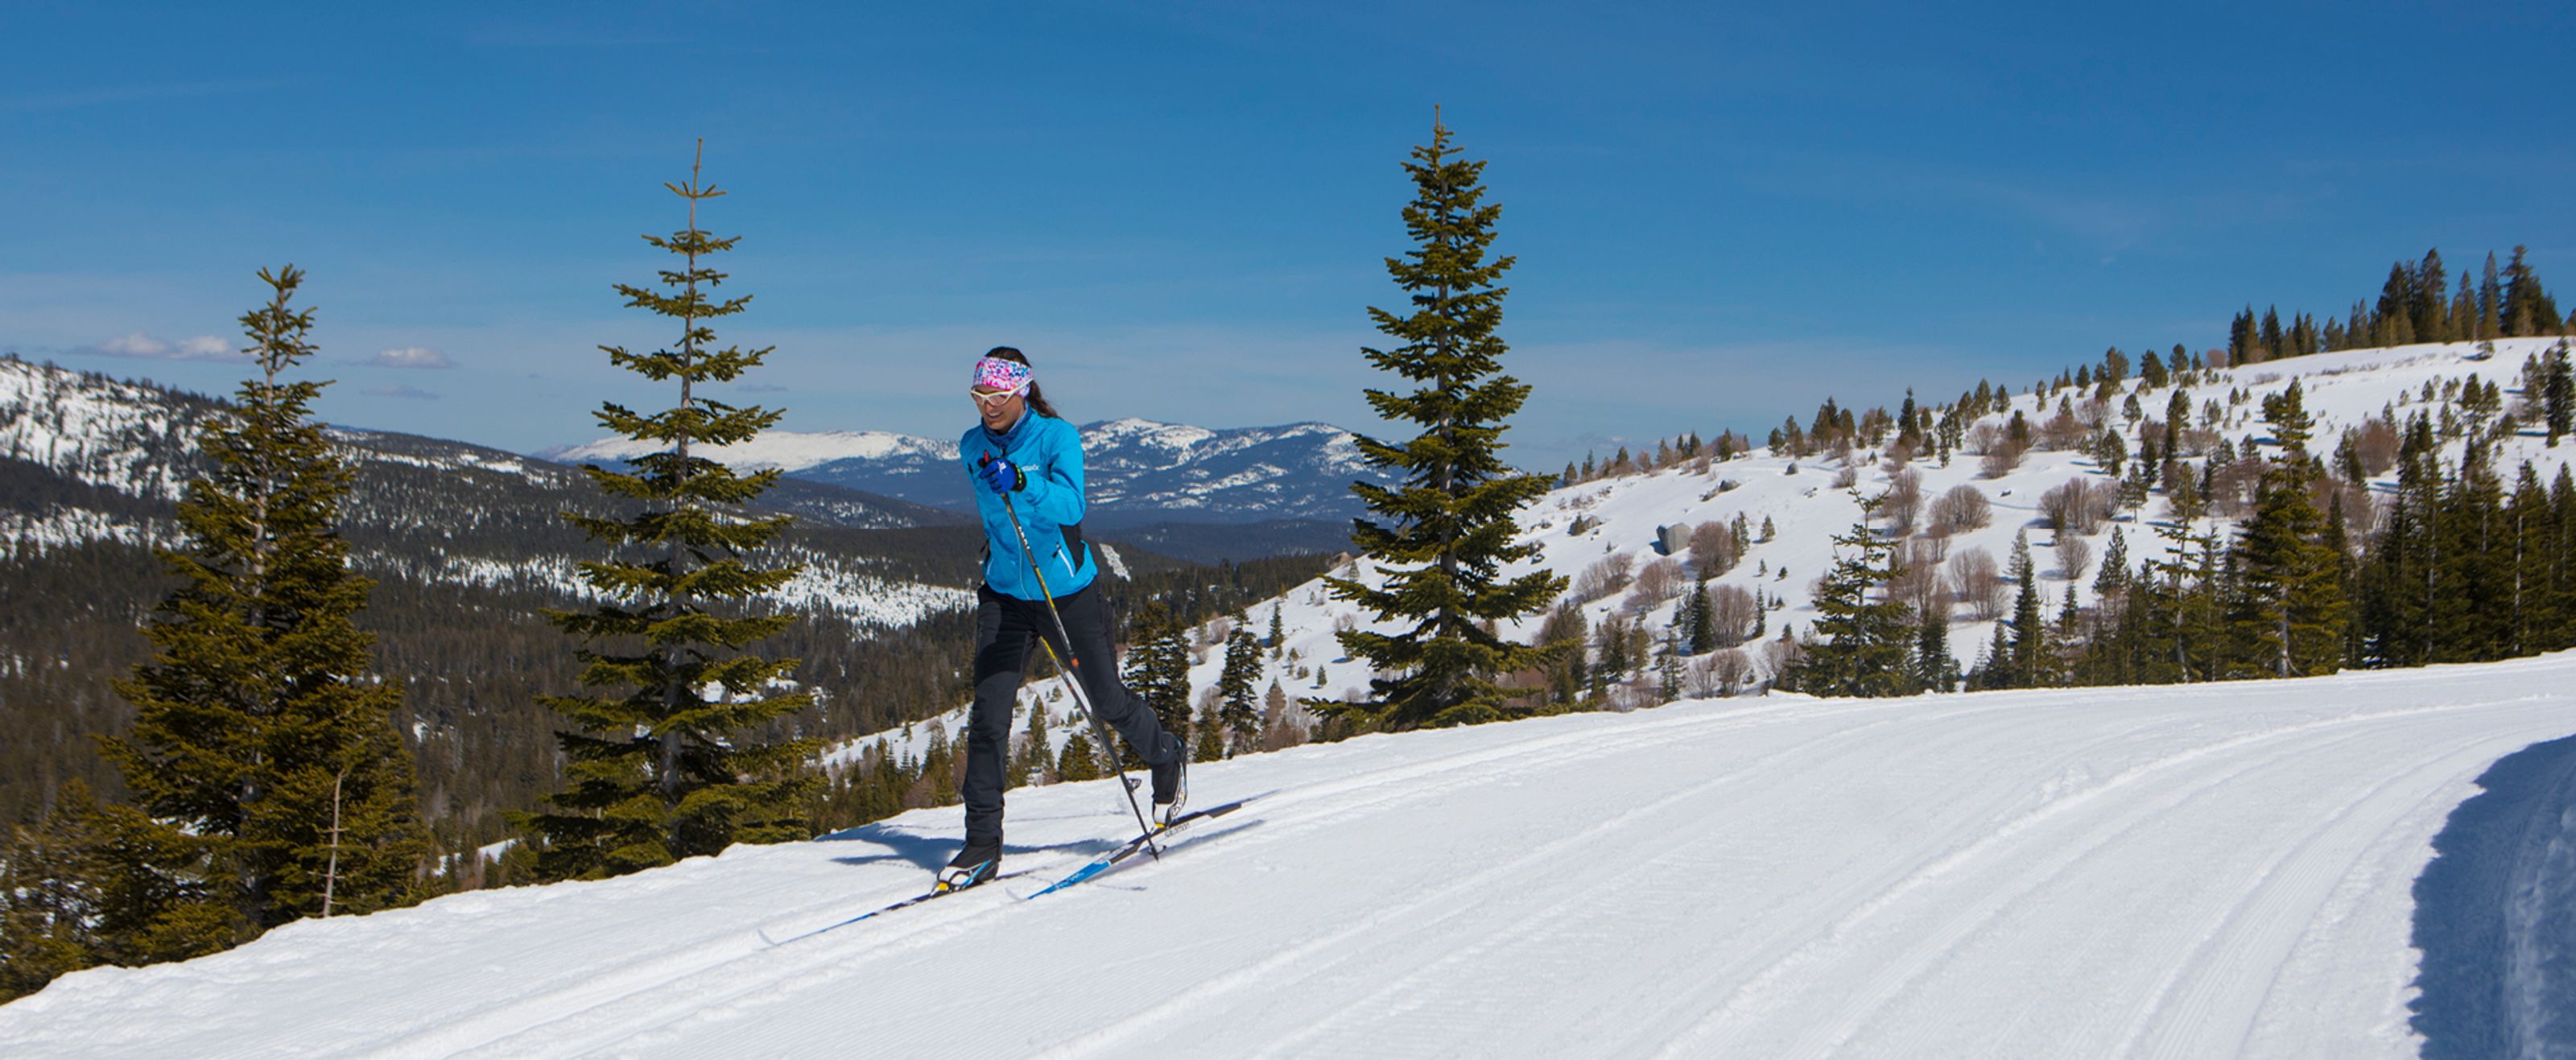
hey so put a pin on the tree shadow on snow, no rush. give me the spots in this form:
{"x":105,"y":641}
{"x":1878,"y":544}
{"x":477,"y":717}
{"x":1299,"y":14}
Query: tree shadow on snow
{"x":2495,"y":915}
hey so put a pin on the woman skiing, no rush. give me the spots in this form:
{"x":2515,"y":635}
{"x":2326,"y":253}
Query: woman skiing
{"x":1023,"y":459}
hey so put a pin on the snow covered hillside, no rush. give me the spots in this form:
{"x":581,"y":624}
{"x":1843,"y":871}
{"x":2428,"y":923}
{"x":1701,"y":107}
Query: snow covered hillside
{"x":2209,"y":870}
{"x":90,"y":458}
{"x":1603,"y":535}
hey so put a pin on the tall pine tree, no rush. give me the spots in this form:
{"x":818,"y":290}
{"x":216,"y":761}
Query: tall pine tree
{"x":1242,"y":716}
{"x":1448,"y":525}
{"x":2292,"y":609}
{"x":1158,"y":671}
{"x":256,"y":733}
{"x":658,"y":769}
{"x":1862,"y":635}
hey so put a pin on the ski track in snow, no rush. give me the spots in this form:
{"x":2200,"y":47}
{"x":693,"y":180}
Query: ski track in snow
{"x":2211,"y":870}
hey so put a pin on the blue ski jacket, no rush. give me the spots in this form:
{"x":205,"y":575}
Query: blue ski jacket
{"x":1049,"y":452}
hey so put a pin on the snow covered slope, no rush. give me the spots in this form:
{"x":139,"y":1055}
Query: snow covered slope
{"x":2211,"y":870}
{"x":1618,"y":519}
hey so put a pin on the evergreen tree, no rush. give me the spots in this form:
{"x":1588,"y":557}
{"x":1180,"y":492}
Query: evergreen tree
{"x":1935,"y":669}
{"x":2490,"y":300}
{"x":1210,"y":744}
{"x":1278,"y":633}
{"x":1451,"y":526}
{"x":256,"y":738}
{"x":1699,"y":621}
{"x":656,"y":770}
{"x":2471,"y":605}
{"x":1861,"y":643}
{"x":93,"y":884}
{"x":1241,"y":717}
{"x":2534,"y":533}
{"x":2527,"y":307}
{"x":2113,"y":577}
{"x":1158,"y":671}
{"x":1078,"y":762}
{"x":2026,"y":660}
{"x":2558,"y":393}
{"x":1037,"y":755}
{"x":2292,"y":607}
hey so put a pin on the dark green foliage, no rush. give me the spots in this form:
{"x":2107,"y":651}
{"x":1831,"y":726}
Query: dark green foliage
{"x":1210,"y":743}
{"x":2558,"y":393}
{"x":255,"y":733}
{"x":2026,"y":663}
{"x":1935,"y":669}
{"x":2414,"y":305}
{"x":1450,"y":526}
{"x":1241,"y":716}
{"x":1699,"y":621}
{"x":1079,"y":761}
{"x":1861,"y":644}
{"x":2291,"y":607}
{"x":93,"y":884}
{"x":1158,"y":671}
{"x":657,"y":769}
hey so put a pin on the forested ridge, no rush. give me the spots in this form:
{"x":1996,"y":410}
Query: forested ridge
{"x":467,"y":548}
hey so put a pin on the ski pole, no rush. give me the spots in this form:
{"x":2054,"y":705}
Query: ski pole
{"x":1099,"y":731}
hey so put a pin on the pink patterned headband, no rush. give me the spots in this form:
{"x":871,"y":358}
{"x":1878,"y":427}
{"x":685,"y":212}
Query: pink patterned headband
{"x":1009,"y":377}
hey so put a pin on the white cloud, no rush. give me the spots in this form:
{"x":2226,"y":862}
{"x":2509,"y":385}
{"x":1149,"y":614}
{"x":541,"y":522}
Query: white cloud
{"x":412,"y":357}
{"x":144,"y":347}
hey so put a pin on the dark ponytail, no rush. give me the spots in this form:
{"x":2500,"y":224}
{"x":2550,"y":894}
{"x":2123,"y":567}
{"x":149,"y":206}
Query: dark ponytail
{"x":1037,"y":398}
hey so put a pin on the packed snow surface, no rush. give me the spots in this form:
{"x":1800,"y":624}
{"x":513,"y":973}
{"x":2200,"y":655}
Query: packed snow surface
{"x":2190,"y":871}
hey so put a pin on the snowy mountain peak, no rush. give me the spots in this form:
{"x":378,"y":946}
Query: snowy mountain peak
{"x":1139,"y":471}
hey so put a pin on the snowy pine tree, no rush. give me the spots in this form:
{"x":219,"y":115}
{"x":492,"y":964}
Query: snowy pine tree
{"x":657,"y":768}
{"x":257,"y":737}
{"x":1449,"y":525}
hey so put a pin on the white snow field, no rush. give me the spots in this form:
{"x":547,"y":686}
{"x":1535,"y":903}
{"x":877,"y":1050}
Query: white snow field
{"x":2189,"y":871}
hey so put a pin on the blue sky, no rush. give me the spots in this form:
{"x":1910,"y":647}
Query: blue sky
{"x":1722,"y":215}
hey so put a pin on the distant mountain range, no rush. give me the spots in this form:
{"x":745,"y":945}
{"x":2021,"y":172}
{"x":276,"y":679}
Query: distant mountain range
{"x":1193,"y":492}
{"x":466,"y":544}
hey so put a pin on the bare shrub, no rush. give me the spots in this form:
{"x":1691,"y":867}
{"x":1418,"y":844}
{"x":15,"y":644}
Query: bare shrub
{"x":2080,"y":506}
{"x":1661,"y":580}
{"x":2001,"y":460}
{"x":1963,"y":508}
{"x":2231,"y":486}
{"x":1983,"y":438}
{"x":1979,"y":584}
{"x":1605,"y":576}
{"x":1712,"y":548}
{"x":1847,"y":477}
{"x":1734,"y":671}
{"x":1718,"y":674}
{"x":1918,"y":581}
{"x":2062,"y":431}
{"x":2093,"y":413}
{"x":2074,"y":554}
{"x":1731,"y":614}
{"x":2377,"y":445}
{"x":1780,"y":654}
{"x":1902,"y":502}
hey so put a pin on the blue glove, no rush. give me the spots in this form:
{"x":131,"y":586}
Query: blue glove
{"x":1002,"y":476}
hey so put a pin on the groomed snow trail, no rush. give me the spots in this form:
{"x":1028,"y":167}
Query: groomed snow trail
{"x":2196,"y":871}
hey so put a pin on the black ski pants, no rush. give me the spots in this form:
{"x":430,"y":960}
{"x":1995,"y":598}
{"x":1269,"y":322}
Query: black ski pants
{"x":1006,"y":633}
